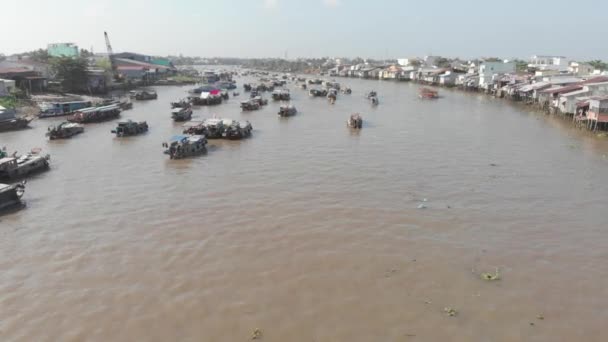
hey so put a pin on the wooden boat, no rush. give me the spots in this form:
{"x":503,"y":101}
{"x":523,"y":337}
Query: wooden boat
{"x":281,"y":95}
{"x":129,"y":128}
{"x":49,"y":110}
{"x":195,"y":127}
{"x":374,"y":100}
{"x":235,"y":130}
{"x":181,"y":114}
{"x":64,"y":130}
{"x":183,"y":103}
{"x":346,"y":91}
{"x":10,"y":195}
{"x":317,"y":92}
{"x":250,"y":105}
{"x":96,"y":114}
{"x":428,"y":94}
{"x":287,"y":111}
{"x":184,"y":146}
{"x":143,"y":95}
{"x":10,"y":122}
{"x":13,"y":167}
{"x":355,"y":121}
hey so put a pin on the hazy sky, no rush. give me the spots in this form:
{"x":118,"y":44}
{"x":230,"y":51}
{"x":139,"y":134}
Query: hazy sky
{"x":267,"y":28}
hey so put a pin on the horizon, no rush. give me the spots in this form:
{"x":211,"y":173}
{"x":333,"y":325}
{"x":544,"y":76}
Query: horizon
{"x":390,"y":29}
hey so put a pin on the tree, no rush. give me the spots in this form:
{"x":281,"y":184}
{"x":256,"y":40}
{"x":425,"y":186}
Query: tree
{"x":85,"y":53}
{"x":521,"y":66}
{"x":598,"y":64}
{"x":39,"y":55}
{"x":71,"y":72}
{"x":443,"y":62}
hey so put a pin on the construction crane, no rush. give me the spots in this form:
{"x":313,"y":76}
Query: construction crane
{"x":111,"y":57}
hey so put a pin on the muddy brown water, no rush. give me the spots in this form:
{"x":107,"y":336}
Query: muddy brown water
{"x":309,"y":231}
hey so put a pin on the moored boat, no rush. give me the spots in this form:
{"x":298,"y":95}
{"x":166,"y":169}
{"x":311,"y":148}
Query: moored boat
{"x":181,"y":114}
{"x":12,"y":167}
{"x":183,"y":103}
{"x":10,"y":122}
{"x":235,"y":130}
{"x":64,"y":130}
{"x":250,"y":105}
{"x":317,"y":92}
{"x":143,"y":95}
{"x":129,"y":127}
{"x":355,"y":121}
{"x":281,"y":95}
{"x":183,"y":146}
{"x":96,"y":114}
{"x":10,"y":195}
{"x":54,"y":109}
{"x":287,"y":111}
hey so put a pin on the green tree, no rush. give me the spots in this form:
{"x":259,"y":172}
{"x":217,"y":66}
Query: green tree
{"x":71,"y":72}
{"x":39,"y":55}
{"x":521,"y":66}
{"x":443,"y":62}
{"x":598,"y":64}
{"x":85,"y":53}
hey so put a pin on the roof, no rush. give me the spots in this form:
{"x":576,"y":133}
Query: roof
{"x":562,"y":90}
{"x":598,"y":79}
{"x":134,"y":62}
{"x":534,"y":86}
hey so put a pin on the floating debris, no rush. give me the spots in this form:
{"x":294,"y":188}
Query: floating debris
{"x":492,"y":164}
{"x":256,"y":334}
{"x":450,"y":312}
{"x":490,"y":276}
{"x":422,"y":206}
{"x":541,"y":317}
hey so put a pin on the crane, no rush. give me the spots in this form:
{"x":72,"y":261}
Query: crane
{"x":111,"y":56}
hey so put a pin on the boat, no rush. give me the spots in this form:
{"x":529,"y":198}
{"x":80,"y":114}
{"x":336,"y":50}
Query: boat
{"x":346,"y":91}
{"x":224,"y":94}
{"x":143,"y":95}
{"x":195,"y":127}
{"x":315,"y":81}
{"x":428,"y":94}
{"x":332,"y":95}
{"x":129,"y":127}
{"x":250,"y":105}
{"x":374,"y":100}
{"x":303,"y":86}
{"x":125,"y":105}
{"x":372,"y":94}
{"x":235,"y":130}
{"x":355,"y":121}
{"x":181,"y":114}
{"x":10,"y":195}
{"x":10,"y":122}
{"x":96,"y":114}
{"x":15,"y":166}
{"x":317,"y":92}
{"x":213,"y":128}
{"x":183,"y":146}
{"x":234,"y":94}
{"x":281,"y":95}
{"x":49,"y":110}
{"x":183,"y":103}
{"x":64,"y":130}
{"x":332,"y":85}
{"x":247,"y":87}
{"x":261,"y":101}
{"x":208,"y":96}
{"x":287,"y":111}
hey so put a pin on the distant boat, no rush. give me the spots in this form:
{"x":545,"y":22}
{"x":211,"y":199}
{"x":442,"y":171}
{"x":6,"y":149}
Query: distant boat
{"x":428,"y":94}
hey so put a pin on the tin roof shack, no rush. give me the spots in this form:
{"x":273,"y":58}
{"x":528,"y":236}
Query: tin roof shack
{"x":25,"y":79}
{"x":549,"y":98}
{"x":598,"y":113}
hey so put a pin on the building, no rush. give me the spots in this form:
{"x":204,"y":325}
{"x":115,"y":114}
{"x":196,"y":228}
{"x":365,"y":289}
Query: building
{"x":133,"y":56}
{"x":24,"y":78}
{"x":598,"y":111}
{"x":581,"y":69}
{"x":6,"y":87}
{"x":487,"y":71}
{"x":558,"y":63}
{"x":63,"y":50}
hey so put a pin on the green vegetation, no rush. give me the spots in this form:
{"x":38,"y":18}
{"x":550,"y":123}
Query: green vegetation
{"x":521,"y":66}
{"x":598,"y":64}
{"x":8,"y":102}
{"x":71,"y":72}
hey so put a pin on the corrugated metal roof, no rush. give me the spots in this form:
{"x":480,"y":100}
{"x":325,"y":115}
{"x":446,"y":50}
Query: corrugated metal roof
{"x":562,"y":90}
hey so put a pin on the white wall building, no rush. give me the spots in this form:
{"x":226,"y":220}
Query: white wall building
{"x":559,"y":63}
{"x":487,"y":70}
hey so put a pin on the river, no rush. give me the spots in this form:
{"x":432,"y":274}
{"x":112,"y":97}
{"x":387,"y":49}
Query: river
{"x":309,"y":231}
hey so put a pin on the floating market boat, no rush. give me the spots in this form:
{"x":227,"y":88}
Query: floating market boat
{"x":208,"y":96}
{"x":234,"y":94}
{"x":315,"y":81}
{"x":96,"y":114}
{"x":428,"y":94}
{"x":129,"y":127}
{"x":346,"y":91}
{"x":183,"y":146}
{"x":15,"y":166}
{"x":64,"y":130}
{"x":214,"y":128}
{"x":235,"y":130}
{"x":261,"y":101}
{"x":355,"y":121}
{"x":181,"y":114}
{"x":10,"y":122}
{"x":372,"y":94}
{"x":195,"y":127}
{"x":10,"y":195}
{"x":281,"y":95}
{"x":374,"y":100}
{"x":303,"y":86}
{"x":287,"y":111}
{"x":247,"y":87}
{"x":49,"y":110}
{"x":332,"y":95}
{"x":250,"y":105}
{"x":317,"y":92}
{"x":183,"y":103}
{"x":332,"y":85}
{"x":143,"y":95}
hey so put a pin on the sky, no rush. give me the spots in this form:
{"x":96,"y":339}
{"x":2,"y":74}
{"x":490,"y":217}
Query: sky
{"x":312,"y":28}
